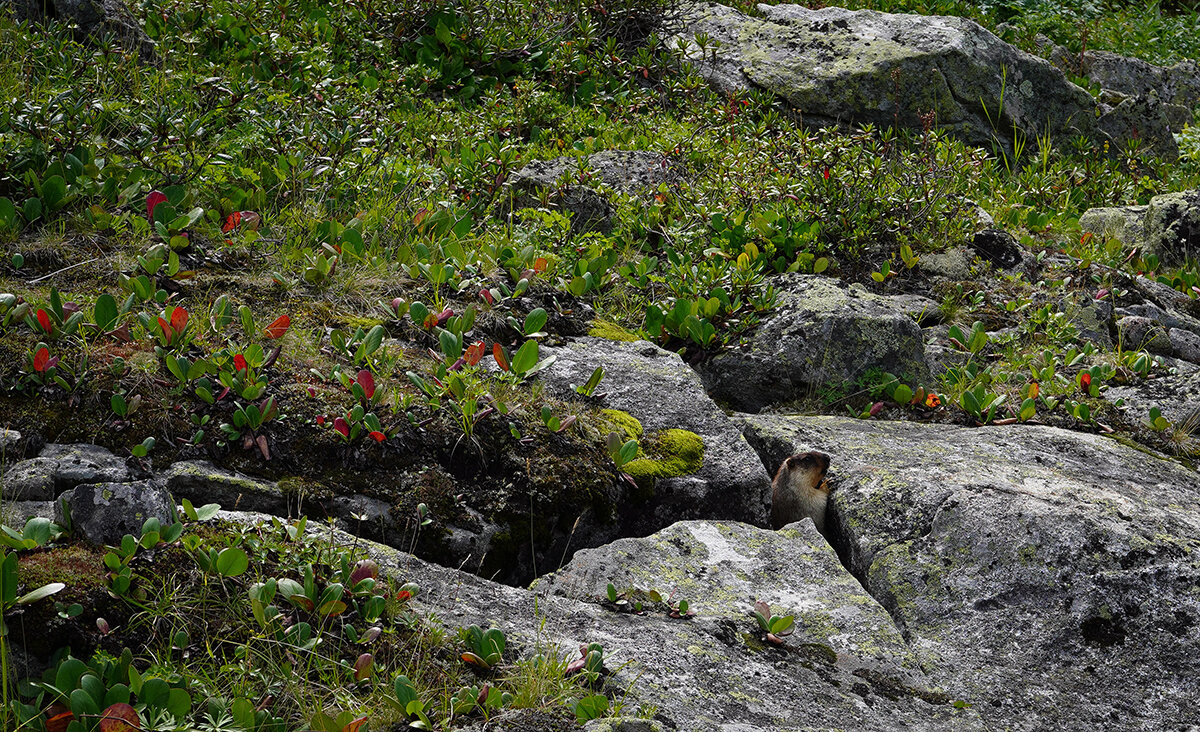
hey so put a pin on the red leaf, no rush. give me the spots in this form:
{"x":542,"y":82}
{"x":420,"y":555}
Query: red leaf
{"x":43,"y":319}
{"x":500,"y":356}
{"x":239,"y":362}
{"x":362,"y":671}
{"x":58,"y":717}
{"x":429,"y":321}
{"x":40,"y":358}
{"x":367,"y":382}
{"x":540,"y":264}
{"x":354,"y":726}
{"x":474,"y":353}
{"x":377,"y":436}
{"x":232,"y":221}
{"x":152,"y":201}
{"x":168,"y":333}
{"x":403,"y":595}
{"x":279,"y":327}
{"x":487,"y":296}
{"x":1085,"y":381}
{"x":444,"y":316}
{"x":320,"y":420}
{"x":251,"y":220}
{"x":342,"y":428}
{"x":120,"y":717}
{"x":179,"y":319}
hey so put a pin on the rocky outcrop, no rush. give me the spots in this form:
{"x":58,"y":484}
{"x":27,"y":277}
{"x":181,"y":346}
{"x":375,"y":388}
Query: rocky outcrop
{"x":1044,"y":576}
{"x":823,"y":332}
{"x":103,"y":513}
{"x":93,"y":18}
{"x":1168,"y":228}
{"x":659,"y":390}
{"x":835,"y":65}
{"x":570,"y":184}
{"x":59,"y":468}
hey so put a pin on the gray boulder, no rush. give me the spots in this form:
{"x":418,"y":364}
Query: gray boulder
{"x":1143,"y":125}
{"x":1172,"y":227}
{"x":658,"y":389}
{"x":1168,"y":228}
{"x":61,"y":467}
{"x":569,"y":184}
{"x":1137,"y":333}
{"x":1123,"y":223}
{"x":93,"y":18}
{"x":102,"y":513}
{"x":847,"y":666}
{"x":1041,"y":575}
{"x":1177,"y":397}
{"x":1121,"y":77}
{"x":836,"y":65}
{"x":202,"y":482}
{"x":823,"y":332}
{"x":1185,"y":344}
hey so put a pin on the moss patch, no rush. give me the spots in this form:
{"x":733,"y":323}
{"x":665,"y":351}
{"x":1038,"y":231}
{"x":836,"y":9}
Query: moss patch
{"x":621,"y":422}
{"x":611,"y":332}
{"x":665,"y":455}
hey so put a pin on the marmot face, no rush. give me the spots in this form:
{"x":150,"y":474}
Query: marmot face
{"x":800,"y":490}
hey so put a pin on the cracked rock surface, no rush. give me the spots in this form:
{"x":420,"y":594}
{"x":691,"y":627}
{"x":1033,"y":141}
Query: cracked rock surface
{"x":1046,"y":577}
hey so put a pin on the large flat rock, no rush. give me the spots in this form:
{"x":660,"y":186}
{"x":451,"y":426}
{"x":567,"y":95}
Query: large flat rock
{"x":1047,"y":577}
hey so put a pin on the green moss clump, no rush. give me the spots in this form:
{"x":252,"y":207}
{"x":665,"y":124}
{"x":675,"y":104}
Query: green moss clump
{"x":611,"y":332}
{"x":668,"y":454}
{"x":621,"y":422}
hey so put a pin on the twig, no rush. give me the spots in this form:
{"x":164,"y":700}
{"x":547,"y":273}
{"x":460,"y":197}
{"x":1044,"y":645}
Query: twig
{"x":64,"y":269}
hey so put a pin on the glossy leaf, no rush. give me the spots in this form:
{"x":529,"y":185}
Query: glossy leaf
{"x":279,"y":327}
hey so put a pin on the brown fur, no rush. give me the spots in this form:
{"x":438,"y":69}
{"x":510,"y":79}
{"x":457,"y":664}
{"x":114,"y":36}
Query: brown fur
{"x":800,"y":489}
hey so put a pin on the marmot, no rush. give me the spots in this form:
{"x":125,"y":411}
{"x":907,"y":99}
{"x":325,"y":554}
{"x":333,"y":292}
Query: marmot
{"x":800,"y":489}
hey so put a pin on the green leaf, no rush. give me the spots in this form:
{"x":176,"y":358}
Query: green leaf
{"x":232,"y":562}
{"x":54,"y":190}
{"x":41,"y":592}
{"x":525,"y":358}
{"x":535,"y":321}
{"x":105,"y":312}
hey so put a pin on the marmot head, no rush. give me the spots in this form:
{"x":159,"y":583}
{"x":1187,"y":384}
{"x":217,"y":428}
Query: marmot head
{"x":806,"y":467}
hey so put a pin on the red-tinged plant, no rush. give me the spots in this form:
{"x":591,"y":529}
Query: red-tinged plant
{"x":364,"y":569}
{"x":43,"y":319}
{"x":342,"y":427}
{"x":279,"y":327}
{"x":363,"y":667}
{"x":1085,"y":382}
{"x":501,"y":356}
{"x":58,"y":718}
{"x":377,"y":435}
{"x":239,"y":362}
{"x":120,"y":717}
{"x":245,"y":219}
{"x":152,"y":201}
{"x":41,"y":360}
{"x":173,"y":329}
{"x":320,"y":420}
{"x":366,"y":382}
{"x":486,"y":295}
{"x":474,"y":353}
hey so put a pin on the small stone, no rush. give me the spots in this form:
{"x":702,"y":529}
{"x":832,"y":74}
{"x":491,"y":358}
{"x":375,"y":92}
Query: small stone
{"x":1186,"y":344}
{"x":102,"y":513}
{"x":1137,"y":332}
{"x":30,"y":480}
